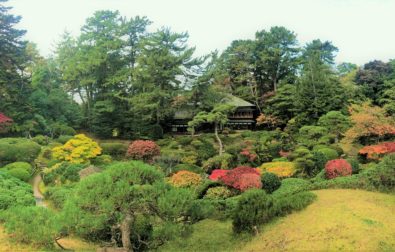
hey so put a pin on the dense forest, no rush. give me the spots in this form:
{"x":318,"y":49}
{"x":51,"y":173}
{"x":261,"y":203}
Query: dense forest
{"x":90,"y":127}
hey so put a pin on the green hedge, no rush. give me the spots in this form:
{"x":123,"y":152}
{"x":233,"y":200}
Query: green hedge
{"x":18,"y":149}
{"x":114,"y":149}
{"x":14,"y":192}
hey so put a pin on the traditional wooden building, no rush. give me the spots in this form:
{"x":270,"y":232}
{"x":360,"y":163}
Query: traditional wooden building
{"x":244,"y":116}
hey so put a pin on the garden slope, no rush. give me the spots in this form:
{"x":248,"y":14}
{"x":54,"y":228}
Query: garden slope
{"x":338,"y":220}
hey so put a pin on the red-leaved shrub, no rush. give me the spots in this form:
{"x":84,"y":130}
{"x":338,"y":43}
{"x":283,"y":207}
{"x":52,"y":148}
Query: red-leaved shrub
{"x":246,"y":152}
{"x":248,"y":181}
{"x":376,"y":151}
{"x":143,"y":150}
{"x":217,"y":174}
{"x":235,"y":178}
{"x":337,"y":168}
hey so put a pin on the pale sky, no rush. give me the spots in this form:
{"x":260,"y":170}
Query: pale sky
{"x":363,"y":30}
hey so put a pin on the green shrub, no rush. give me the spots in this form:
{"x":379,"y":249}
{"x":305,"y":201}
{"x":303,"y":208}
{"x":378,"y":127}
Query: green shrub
{"x":270,"y":182}
{"x":184,"y":140}
{"x":291,"y":186}
{"x":19,"y":165}
{"x":63,"y":139}
{"x":31,"y":225}
{"x":225,"y":161}
{"x":62,"y":173}
{"x":286,"y":205}
{"x":114,"y":149}
{"x":201,"y":209}
{"x":19,"y":173}
{"x":354,"y":164}
{"x":329,"y":153}
{"x":14,"y":192}
{"x":188,"y":167}
{"x":18,"y":149}
{"x":252,"y":210}
{"x":58,"y":195}
{"x":205,"y":150}
{"x":41,"y":140}
{"x":207,"y":184}
{"x":102,"y":160}
{"x":219,"y":192}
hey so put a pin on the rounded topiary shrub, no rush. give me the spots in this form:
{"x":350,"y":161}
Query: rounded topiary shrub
{"x":144,"y":150}
{"x":19,"y":165}
{"x":41,"y":140}
{"x":253,"y":208}
{"x":270,"y":182}
{"x":20,"y":173}
{"x":185,"y":179}
{"x":337,"y":168}
{"x":242,"y":178}
{"x":329,"y":153}
{"x":219,"y":192}
{"x":18,"y":149}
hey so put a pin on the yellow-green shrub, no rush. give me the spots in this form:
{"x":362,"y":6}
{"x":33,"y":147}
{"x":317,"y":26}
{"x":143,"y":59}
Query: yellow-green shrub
{"x":80,"y":149}
{"x":185,"y":179}
{"x":281,"y":169}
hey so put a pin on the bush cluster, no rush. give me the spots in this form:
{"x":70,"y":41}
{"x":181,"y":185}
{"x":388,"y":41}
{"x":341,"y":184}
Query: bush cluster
{"x":114,"y":149}
{"x":14,"y":192}
{"x":337,"y":167}
{"x":18,"y":150}
{"x":255,"y":207}
{"x":185,"y":179}
{"x":281,"y":169}
{"x":80,"y":149}
{"x":242,"y":178}
{"x":144,"y":150}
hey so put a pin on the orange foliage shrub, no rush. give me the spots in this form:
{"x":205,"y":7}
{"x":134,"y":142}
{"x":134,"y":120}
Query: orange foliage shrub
{"x":143,"y":150}
{"x":368,"y":121}
{"x":185,"y":179}
{"x":376,"y":151}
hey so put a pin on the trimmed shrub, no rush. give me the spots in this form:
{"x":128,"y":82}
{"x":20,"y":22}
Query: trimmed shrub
{"x":19,"y":173}
{"x":219,"y":192}
{"x":144,"y":150}
{"x":252,"y":209}
{"x":329,"y":153}
{"x":114,"y":149}
{"x":375,"y":152}
{"x":281,"y":169}
{"x":41,"y":140}
{"x":235,"y":178}
{"x":19,"y":165}
{"x":63,"y":139}
{"x":18,"y":149}
{"x":62,"y":173}
{"x":80,"y":149}
{"x":185,"y":179}
{"x":290,"y":186}
{"x":337,"y":167}
{"x":217,"y":174}
{"x":270,"y":182}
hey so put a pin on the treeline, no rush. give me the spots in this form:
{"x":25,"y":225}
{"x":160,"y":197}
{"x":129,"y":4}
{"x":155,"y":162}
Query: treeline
{"x":128,"y":82}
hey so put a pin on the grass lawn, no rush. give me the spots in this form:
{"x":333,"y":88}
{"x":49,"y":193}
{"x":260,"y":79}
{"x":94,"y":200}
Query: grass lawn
{"x":338,"y":220}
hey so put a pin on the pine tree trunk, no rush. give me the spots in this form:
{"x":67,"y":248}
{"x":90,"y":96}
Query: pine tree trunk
{"x":218,"y":139}
{"x":125,"y":231}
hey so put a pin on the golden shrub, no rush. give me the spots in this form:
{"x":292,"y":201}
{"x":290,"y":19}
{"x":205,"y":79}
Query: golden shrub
{"x":80,"y":149}
{"x":283,"y":169}
{"x":185,"y":179}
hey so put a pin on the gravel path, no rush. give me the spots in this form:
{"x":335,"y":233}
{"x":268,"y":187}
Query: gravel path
{"x":36,"y":191}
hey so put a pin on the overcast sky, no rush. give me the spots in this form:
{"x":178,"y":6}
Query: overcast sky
{"x":363,"y":30}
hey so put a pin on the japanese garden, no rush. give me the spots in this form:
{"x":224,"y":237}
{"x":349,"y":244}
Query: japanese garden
{"x":124,"y":140}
